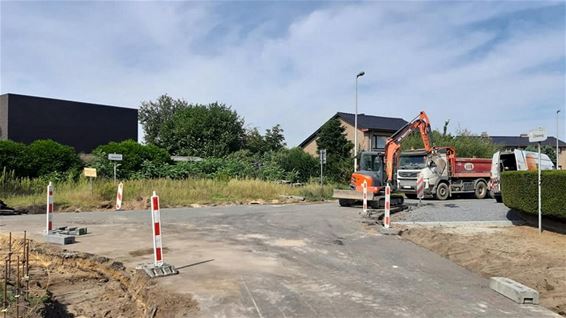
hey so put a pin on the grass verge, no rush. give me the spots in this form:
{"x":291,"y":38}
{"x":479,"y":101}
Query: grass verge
{"x":79,"y":195}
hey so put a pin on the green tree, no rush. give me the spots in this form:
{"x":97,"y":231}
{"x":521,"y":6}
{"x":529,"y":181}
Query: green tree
{"x":274,"y":138}
{"x":332,"y":137}
{"x":153,"y":115}
{"x":254,"y":141}
{"x":212,"y":130}
{"x":466,"y":143}
{"x":548,"y":150}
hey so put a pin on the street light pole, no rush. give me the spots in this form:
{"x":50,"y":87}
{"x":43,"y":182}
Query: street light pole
{"x":360,"y":74}
{"x":557,"y":131}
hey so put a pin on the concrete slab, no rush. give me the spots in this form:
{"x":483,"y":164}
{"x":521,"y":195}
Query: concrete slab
{"x":61,"y":239}
{"x":513,"y":290}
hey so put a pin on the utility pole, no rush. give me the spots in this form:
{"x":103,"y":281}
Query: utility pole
{"x":557,"y":132}
{"x":360,"y":74}
{"x":322,"y":156}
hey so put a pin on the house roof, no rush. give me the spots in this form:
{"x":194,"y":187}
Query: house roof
{"x":520,"y":141}
{"x":387,"y":124}
{"x":373,"y":122}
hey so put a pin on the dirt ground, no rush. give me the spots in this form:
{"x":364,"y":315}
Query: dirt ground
{"x":520,"y":253}
{"x":72,"y":284}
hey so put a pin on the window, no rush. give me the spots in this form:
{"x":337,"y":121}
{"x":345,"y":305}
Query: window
{"x":378,"y":141}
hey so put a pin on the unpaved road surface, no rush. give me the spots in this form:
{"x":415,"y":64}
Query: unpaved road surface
{"x":520,"y":253}
{"x":289,"y":261}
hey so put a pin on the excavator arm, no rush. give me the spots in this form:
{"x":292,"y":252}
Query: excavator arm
{"x":393,"y":144}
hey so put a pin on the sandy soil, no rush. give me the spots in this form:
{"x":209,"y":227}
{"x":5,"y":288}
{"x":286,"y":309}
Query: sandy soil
{"x":72,"y":284}
{"x":520,"y":253}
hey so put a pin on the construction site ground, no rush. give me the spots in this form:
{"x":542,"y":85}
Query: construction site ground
{"x":293,"y":261}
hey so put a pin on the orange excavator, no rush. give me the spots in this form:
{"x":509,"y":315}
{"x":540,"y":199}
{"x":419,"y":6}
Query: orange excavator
{"x":378,"y":168}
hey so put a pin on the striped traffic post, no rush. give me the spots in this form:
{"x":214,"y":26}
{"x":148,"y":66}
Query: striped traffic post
{"x":156,"y":221}
{"x":49,"y":207}
{"x":119,"y":196}
{"x":420,"y":187}
{"x":387,"y":217}
{"x":365,"y":197}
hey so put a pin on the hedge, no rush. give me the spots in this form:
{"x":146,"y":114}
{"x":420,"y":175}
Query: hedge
{"x":519,"y":190}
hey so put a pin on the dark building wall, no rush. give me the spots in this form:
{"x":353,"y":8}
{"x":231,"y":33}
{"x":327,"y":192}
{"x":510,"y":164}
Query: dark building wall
{"x":3,"y":117}
{"x":83,"y":126}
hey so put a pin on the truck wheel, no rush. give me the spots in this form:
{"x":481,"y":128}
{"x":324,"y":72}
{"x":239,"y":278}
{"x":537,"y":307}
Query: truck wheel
{"x":499,"y":199}
{"x":481,"y":190}
{"x":442,"y":191}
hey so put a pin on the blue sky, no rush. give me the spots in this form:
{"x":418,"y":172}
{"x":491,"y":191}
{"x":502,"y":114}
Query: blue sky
{"x":497,"y":67}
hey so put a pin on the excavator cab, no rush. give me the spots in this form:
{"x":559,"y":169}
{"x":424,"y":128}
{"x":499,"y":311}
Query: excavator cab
{"x":370,"y":169}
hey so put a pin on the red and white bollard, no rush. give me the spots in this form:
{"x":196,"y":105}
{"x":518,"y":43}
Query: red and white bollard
{"x":49,"y":208}
{"x":387,"y":216}
{"x":119,"y":196}
{"x":365,"y":197}
{"x":156,"y":220}
{"x":159,"y":267}
{"x":420,"y":187}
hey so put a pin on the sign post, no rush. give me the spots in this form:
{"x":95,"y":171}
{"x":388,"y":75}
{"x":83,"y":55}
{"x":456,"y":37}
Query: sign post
{"x":322,"y":156}
{"x":115,"y":157}
{"x":91,"y":174}
{"x":538,"y":135}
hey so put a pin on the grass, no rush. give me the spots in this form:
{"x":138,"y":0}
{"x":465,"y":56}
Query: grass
{"x":71,"y":195}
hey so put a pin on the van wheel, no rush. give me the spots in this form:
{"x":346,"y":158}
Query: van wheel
{"x":442,"y":191}
{"x":481,"y":190}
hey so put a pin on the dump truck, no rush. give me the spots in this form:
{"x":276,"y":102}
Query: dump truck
{"x":377,"y":169}
{"x":446,"y":174}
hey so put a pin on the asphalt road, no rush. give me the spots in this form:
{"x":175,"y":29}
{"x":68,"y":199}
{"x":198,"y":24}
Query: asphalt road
{"x":289,"y":261}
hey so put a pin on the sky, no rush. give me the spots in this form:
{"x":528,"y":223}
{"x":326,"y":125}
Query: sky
{"x":495,"y":67}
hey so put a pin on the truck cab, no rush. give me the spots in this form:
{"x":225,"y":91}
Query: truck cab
{"x":410,"y":165}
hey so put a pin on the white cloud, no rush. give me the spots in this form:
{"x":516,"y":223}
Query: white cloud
{"x":439,"y":57}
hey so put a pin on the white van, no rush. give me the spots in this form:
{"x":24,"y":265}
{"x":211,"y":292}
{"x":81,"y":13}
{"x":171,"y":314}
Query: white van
{"x":516,"y":160}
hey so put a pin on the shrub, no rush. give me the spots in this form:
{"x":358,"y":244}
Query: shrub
{"x":47,"y":156}
{"x":13,"y":157}
{"x":519,"y":190}
{"x":134,"y":155}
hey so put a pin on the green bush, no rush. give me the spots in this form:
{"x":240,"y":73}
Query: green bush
{"x":47,"y":156}
{"x":40,"y":158}
{"x":134,"y":156}
{"x":519,"y":190}
{"x":13,"y":158}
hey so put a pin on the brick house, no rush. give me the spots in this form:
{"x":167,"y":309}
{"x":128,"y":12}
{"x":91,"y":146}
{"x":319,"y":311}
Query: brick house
{"x":372,"y":131}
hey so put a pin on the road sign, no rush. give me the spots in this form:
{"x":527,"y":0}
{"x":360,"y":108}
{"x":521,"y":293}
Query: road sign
{"x":537,"y":135}
{"x":323,"y":156}
{"x":115,"y":156}
{"x":90,"y":172}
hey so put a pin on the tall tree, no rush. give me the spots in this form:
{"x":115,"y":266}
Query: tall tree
{"x":274,"y":138}
{"x":332,"y":137}
{"x":212,"y":130}
{"x":153,"y":115}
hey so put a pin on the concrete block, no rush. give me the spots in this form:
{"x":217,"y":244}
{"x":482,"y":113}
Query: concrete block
{"x":78,"y":231}
{"x":60,"y":239}
{"x":513,"y":290}
{"x":159,"y":271}
{"x":389,"y":231}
